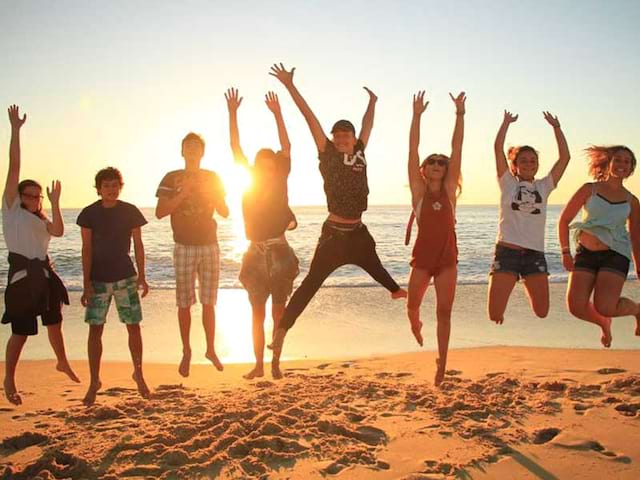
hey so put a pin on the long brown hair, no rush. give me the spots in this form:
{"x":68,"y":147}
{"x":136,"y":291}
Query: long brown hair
{"x":22,"y":186}
{"x":600,"y":156}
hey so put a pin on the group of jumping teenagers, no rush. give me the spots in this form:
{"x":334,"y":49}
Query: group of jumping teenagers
{"x":605,"y":239}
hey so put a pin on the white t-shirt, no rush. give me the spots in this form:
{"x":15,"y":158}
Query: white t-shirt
{"x":24,"y":233}
{"x":523,"y":210}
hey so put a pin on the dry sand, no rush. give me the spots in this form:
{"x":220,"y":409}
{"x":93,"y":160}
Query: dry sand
{"x":502,"y":413}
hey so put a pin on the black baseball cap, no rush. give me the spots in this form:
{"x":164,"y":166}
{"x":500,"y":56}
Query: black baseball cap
{"x":343,"y":125}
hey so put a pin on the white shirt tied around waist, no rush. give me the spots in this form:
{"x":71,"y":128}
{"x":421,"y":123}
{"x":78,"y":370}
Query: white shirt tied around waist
{"x":24,"y":233}
{"x":523,"y":210}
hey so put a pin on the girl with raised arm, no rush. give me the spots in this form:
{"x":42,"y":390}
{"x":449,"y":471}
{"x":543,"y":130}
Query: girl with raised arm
{"x":434,"y":187}
{"x":604,"y":246}
{"x":33,"y":287}
{"x":523,"y":213}
{"x":270,"y":265}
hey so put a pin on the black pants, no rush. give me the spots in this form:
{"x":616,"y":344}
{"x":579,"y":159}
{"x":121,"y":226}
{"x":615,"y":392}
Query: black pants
{"x":335,"y":249}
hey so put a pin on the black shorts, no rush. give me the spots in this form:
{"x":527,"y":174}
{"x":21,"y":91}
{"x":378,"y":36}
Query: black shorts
{"x":521,"y":263}
{"x":607,"y":260}
{"x":28,"y":324}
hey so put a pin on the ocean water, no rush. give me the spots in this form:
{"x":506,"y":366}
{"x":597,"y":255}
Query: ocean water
{"x":476,"y":230}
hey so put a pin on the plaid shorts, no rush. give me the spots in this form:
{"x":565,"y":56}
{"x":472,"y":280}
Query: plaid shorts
{"x":202,"y":261}
{"x":127,"y":299}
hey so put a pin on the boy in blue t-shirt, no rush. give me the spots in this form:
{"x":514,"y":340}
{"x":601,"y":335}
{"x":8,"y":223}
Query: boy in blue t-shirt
{"x":107,"y":228}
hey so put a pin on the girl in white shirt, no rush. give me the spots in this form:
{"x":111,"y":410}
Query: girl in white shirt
{"x":523,"y":213}
{"x":27,"y":232}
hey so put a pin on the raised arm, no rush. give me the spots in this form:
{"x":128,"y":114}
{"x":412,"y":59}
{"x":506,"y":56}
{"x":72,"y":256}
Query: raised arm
{"x":233,"y":102}
{"x":286,"y":78}
{"x":367,"y":119}
{"x":56,"y":226}
{"x":416,"y":183}
{"x":498,"y":147}
{"x":138,"y":248}
{"x":273,"y":104}
{"x":453,"y":172}
{"x":563,"y":150}
{"x":13,"y":174}
{"x":569,"y":212}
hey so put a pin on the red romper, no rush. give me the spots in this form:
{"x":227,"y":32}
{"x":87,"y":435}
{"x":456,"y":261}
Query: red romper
{"x":435,"y":247}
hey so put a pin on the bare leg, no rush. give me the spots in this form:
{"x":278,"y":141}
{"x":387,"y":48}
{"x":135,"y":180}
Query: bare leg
{"x":418,"y":282}
{"x":56,"y":340}
{"x":14,"y":349}
{"x":581,"y":285}
{"x":537,"y":288}
{"x":135,"y":347}
{"x":277,"y":310}
{"x":94,"y":346}
{"x":607,"y":299}
{"x":258,"y":314}
{"x":184,"y":320}
{"x":445,"y":284}
{"x":500,"y":287}
{"x":209,"y":324}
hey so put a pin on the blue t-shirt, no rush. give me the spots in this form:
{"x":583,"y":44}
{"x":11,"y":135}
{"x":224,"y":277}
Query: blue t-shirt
{"x":111,"y":239}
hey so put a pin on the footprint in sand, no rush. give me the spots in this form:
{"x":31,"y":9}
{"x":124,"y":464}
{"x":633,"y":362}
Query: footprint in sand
{"x":628,"y":409}
{"x":610,"y":371}
{"x":545,"y":435}
{"x":24,"y":440}
{"x":322,"y":366}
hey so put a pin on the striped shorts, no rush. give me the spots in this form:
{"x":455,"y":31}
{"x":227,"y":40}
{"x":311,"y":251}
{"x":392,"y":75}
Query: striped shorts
{"x":201,"y":261}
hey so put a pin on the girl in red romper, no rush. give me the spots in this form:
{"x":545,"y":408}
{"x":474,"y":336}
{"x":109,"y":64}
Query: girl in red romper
{"x":434,"y":187}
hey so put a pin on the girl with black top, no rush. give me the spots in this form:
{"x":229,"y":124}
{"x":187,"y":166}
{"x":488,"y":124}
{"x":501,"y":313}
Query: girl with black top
{"x":33,"y":287}
{"x":270,"y":265}
{"x":344,"y":239}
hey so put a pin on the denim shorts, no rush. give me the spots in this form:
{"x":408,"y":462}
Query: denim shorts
{"x":594,"y":261}
{"x":521,"y":263}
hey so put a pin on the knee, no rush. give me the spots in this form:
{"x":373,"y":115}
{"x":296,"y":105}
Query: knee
{"x":606,"y":309}
{"x":541,"y":311}
{"x":496,"y":317}
{"x":134,"y":330}
{"x":95,"y":332}
{"x":444,"y":314}
{"x":577,"y":309}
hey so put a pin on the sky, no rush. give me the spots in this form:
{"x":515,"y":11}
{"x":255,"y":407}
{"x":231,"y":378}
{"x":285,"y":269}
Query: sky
{"x":120,"y":83}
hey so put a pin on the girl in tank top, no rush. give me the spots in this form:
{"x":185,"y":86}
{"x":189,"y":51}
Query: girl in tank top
{"x":434,"y":185}
{"x":519,"y":249}
{"x":604,"y":246}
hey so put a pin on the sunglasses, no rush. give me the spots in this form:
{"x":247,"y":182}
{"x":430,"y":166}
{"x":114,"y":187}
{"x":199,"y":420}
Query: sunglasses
{"x":32,"y":197}
{"x":440,"y":161}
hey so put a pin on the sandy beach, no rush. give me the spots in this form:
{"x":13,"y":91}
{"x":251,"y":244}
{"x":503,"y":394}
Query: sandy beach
{"x":511,"y":412}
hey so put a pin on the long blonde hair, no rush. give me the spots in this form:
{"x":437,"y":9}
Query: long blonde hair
{"x":437,"y":156}
{"x":600,"y":156}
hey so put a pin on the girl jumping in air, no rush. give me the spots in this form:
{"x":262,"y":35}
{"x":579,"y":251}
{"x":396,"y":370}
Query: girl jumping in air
{"x":604,"y":246}
{"x":33,"y":287}
{"x":434,"y":187}
{"x":523,"y":213}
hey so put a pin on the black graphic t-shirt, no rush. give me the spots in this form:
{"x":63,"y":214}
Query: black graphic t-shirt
{"x":192,"y":222}
{"x":111,"y":239}
{"x":345,"y":180}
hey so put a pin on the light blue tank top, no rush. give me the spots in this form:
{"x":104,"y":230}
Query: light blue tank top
{"x":606,"y":221}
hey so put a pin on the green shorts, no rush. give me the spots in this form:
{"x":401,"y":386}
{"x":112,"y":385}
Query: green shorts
{"x":127,"y":302}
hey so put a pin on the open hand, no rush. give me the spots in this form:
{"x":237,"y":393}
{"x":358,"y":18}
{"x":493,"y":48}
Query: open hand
{"x":233,"y":102}
{"x":509,"y":117}
{"x":419,"y":105}
{"x":372,"y":96}
{"x":142,"y":284}
{"x":459,"y":102}
{"x":281,"y":73}
{"x":87,"y":294}
{"x":14,"y":117}
{"x":273,"y":104}
{"x":567,"y":262}
{"x":553,"y":121}
{"x":54,"y":191}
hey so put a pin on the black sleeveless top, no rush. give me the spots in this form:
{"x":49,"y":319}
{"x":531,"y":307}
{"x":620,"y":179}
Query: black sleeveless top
{"x":345,"y":180}
{"x":266,"y":207}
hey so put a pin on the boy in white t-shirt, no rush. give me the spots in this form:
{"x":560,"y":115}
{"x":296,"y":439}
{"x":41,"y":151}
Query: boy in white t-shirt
{"x":523,"y":213}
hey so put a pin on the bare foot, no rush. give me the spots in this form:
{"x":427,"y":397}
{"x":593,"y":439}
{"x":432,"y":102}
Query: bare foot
{"x":606,"y":333}
{"x":143,"y":389}
{"x":215,"y":360}
{"x":402,"y":293}
{"x":90,"y":398}
{"x":276,"y":373}
{"x":439,"y":373}
{"x":185,"y":364}
{"x":11,"y":392}
{"x":416,"y":329}
{"x":257,"y":371}
{"x":65,"y":368}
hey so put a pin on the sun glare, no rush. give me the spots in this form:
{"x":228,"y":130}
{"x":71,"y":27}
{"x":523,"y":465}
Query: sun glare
{"x":236,"y":180}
